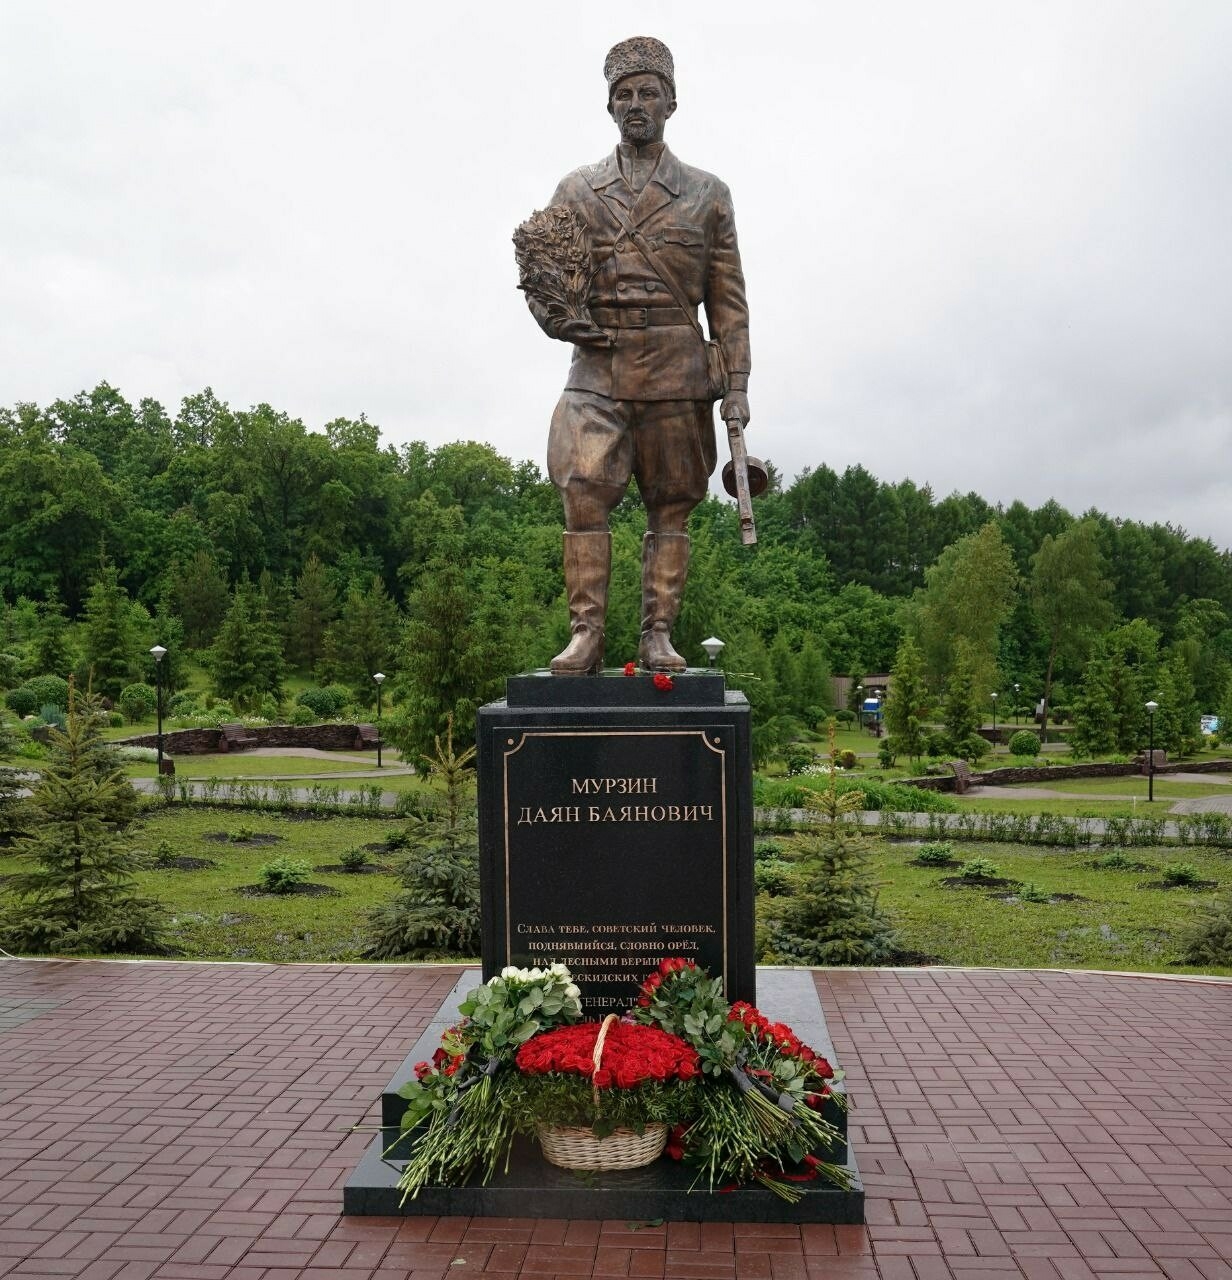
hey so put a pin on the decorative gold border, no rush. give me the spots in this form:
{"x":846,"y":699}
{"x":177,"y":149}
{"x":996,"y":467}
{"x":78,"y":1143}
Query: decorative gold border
{"x":511,"y":749}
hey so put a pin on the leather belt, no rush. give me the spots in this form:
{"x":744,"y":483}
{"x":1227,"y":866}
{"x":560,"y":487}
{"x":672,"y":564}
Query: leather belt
{"x":637,"y":317}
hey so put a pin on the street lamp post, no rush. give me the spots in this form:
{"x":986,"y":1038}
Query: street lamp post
{"x":1017,"y":687}
{"x":380,"y":680}
{"x":713,"y":647}
{"x":994,"y":719}
{"x":159,"y":653}
{"x":1151,"y":708}
{"x":860,"y":706}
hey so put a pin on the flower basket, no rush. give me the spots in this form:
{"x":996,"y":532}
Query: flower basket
{"x":575,"y":1147}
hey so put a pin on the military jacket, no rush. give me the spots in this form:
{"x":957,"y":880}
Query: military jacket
{"x":686,"y":216}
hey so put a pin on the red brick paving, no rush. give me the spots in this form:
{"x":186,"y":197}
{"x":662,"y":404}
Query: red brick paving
{"x":191,"y":1122}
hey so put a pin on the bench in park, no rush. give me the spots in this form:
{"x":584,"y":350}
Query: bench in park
{"x":234,"y":737}
{"x":962,"y":776}
{"x":367,"y":736}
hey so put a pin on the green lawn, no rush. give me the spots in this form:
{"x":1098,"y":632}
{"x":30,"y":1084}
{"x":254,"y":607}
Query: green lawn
{"x":213,"y":922}
{"x":1077,"y":807}
{"x":238,"y":765}
{"x":1117,"y":924}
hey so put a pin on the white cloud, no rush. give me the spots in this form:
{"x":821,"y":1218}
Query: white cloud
{"x":986,"y":246}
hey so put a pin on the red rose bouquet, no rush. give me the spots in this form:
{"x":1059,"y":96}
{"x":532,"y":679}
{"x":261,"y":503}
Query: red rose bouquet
{"x":584,"y":1084}
{"x":759,"y":1116}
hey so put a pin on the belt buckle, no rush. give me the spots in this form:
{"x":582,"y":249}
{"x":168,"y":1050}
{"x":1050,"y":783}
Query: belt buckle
{"x":636,"y":318}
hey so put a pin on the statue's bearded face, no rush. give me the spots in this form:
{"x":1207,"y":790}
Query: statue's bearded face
{"x":641,"y":105}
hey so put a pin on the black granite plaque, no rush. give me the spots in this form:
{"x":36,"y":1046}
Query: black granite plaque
{"x":616,"y":829}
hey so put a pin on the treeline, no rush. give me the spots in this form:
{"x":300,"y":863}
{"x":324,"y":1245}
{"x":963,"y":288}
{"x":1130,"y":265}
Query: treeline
{"x":266,"y":548}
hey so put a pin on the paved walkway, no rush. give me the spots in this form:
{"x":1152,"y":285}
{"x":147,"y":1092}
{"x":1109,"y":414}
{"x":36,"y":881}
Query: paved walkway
{"x":191,"y":1122}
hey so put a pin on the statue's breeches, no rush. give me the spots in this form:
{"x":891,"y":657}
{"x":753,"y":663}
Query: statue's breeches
{"x":597,"y":443}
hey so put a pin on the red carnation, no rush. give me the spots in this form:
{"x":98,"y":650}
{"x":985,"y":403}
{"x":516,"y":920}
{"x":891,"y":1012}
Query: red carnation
{"x":662,"y":681}
{"x":630,"y":668}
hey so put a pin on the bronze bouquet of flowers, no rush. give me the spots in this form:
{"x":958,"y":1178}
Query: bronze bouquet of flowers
{"x":552,"y":249}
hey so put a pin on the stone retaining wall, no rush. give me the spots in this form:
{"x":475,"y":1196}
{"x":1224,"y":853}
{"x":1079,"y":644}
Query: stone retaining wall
{"x":200,"y":742}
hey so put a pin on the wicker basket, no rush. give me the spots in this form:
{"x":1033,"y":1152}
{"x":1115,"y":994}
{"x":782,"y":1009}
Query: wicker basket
{"x":576,"y":1147}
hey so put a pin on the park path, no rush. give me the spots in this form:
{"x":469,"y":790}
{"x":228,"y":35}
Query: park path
{"x":189,"y":1121}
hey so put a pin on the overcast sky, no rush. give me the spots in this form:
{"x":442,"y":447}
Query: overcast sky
{"x":988,"y":246}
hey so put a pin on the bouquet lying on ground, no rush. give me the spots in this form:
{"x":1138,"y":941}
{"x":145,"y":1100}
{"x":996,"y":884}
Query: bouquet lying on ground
{"x":759,"y":1115}
{"x":457,"y":1096}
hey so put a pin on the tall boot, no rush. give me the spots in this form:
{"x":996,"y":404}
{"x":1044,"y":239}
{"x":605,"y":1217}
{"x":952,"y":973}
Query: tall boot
{"x":588,"y":564}
{"x":665,"y":566}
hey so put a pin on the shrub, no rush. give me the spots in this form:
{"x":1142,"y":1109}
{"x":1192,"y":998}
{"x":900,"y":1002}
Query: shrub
{"x":319,"y":701}
{"x":283,"y":874}
{"x":767,"y":849}
{"x":437,"y":908}
{"x":53,"y":715}
{"x":354,"y":860}
{"x":115,"y":720}
{"x":183,"y":704}
{"x":972,"y":748}
{"x":936,"y":744}
{"x":164,"y":855}
{"x":341,"y":695}
{"x":138,"y":702}
{"x":1117,"y":861}
{"x":1032,"y":892}
{"x":772,"y":876}
{"x":22,"y":701}
{"x":847,"y":759}
{"x":49,"y":689}
{"x":886,"y":754}
{"x":794,"y":794}
{"x":797,"y":759}
{"x":845,"y":716}
{"x":1181,"y":873}
{"x":1024,"y":744}
{"x":1209,"y":939}
{"x":10,"y":665}
{"x":979,"y":869}
{"x":937,"y":853}
{"x":269,"y":708}
{"x":301,"y":716}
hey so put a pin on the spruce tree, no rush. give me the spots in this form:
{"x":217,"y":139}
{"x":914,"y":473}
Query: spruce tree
{"x":77,"y":893}
{"x":960,"y":709}
{"x":53,"y":655}
{"x":363,"y":641}
{"x":245,"y":660}
{"x":1094,"y":731}
{"x":832,"y":915}
{"x":201,"y":595}
{"x":907,"y":702}
{"x":110,"y":639}
{"x":813,"y":694}
{"x":12,"y":783}
{"x":436,"y":912}
{"x":315,"y":606}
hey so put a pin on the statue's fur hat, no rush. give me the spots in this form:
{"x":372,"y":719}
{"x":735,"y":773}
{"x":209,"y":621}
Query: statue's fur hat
{"x":636,"y":55}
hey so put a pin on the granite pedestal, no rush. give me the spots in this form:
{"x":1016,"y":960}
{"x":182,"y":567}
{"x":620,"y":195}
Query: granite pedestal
{"x":532,"y":1188}
{"x":616,"y":828}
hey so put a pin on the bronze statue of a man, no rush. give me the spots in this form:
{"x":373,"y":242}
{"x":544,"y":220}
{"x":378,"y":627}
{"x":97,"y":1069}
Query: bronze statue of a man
{"x":639,"y":397}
